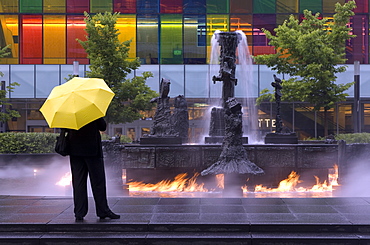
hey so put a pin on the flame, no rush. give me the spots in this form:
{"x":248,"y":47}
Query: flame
{"x":220,"y":181}
{"x":65,"y":180}
{"x":179,"y":184}
{"x":289,"y":184}
{"x":183,"y":184}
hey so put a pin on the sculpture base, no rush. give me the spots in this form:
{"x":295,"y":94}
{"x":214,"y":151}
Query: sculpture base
{"x":276,"y":138}
{"x":161,"y":141}
{"x":220,"y":139}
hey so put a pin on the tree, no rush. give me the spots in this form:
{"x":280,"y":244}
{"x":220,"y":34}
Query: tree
{"x":109,"y":61}
{"x":6,"y":113}
{"x":309,"y":52}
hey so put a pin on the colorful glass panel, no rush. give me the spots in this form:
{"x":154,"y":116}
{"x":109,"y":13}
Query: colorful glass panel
{"x":101,"y":6}
{"x":312,"y":5}
{"x":218,"y":6}
{"x":54,"y":6}
{"x":30,"y":6}
{"x":11,"y":36}
{"x":241,"y":6}
{"x":171,"y":50}
{"x":78,"y":6}
{"x":148,"y":6}
{"x":124,"y":6}
{"x":8,"y":6}
{"x":31,"y":39}
{"x":287,"y":6}
{"x":126,"y":24}
{"x":194,"y":6}
{"x":260,"y":42}
{"x":54,"y":39}
{"x":171,"y":6}
{"x":76,"y":30}
{"x":195,"y":39}
{"x":147,"y":39}
{"x":264,"y":6}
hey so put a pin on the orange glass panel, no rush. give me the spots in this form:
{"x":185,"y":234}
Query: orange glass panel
{"x":54,"y":39}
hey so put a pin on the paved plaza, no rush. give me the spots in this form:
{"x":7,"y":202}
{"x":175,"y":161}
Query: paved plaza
{"x":50,"y":220}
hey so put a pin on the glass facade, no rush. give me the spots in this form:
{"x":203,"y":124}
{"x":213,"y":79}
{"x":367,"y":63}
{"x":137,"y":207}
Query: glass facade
{"x":162,"y":31}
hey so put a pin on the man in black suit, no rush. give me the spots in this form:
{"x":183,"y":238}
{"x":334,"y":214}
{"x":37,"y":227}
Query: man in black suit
{"x":86,"y":158}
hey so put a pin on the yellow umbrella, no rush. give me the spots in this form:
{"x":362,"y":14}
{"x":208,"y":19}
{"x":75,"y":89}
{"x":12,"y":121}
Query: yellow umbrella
{"x":76,"y":103}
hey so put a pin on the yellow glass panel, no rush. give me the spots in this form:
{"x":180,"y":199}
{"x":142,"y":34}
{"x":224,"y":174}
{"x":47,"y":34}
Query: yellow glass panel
{"x":9,"y":26}
{"x":8,"y":6}
{"x":54,"y":6}
{"x":54,"y":39}
{"x":126,"y":24}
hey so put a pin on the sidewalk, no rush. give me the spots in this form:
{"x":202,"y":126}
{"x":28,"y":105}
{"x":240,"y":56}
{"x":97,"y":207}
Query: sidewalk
{"x":50,"y":220}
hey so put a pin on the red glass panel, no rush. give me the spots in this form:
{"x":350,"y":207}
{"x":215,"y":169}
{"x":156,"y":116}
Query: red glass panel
{"x":78,"y":6}
{"x":171,"y":6}
{"x":362,"y":6}
{"x":31,"y":39}
{"x":76,"y":29}
{"x":124,"y":6}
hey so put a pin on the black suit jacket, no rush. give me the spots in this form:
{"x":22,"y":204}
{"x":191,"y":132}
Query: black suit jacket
{"x":87,"y":140}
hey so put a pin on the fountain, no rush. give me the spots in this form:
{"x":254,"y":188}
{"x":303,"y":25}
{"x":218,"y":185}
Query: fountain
{"x":162,"y":155}
{"x":233,"y":161}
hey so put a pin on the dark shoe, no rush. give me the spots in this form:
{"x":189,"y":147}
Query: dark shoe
{"x":110,"y":215}
{"x":79,"y":218}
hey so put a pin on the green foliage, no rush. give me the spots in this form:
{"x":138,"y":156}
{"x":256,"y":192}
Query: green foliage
{"x":309,"y":52}
{"x":354,"y":138}
{"x":27,"y":142}
{"x":8,"y":113}
{"x":109,"y":61}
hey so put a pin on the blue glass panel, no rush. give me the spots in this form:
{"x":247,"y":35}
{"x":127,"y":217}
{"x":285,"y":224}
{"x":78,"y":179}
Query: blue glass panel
{"x":147,"y":6}
{"x":195,"y":6}
{"x":175,"y":73}
{"x":47,"y":77}
{"x":152,"y":82}
{"x":24,"y":75}
{"x":195,"y":81}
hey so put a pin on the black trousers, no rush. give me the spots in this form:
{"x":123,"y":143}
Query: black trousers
{"x":81,"y":167}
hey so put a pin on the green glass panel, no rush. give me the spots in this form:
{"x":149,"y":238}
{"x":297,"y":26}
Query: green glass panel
{"x":264,"y":6}
{"x":195,"y":39}
{"x":101,"y":6}
{"x":217,"y":6}
{"x":147,"y":38}
{"x":30,"y":6}
{"x":287,"y":6}
{"x":312,"y":5}
{"x":8,"y":6}
{"x":54,"y":6}
{"x":171,"y":50}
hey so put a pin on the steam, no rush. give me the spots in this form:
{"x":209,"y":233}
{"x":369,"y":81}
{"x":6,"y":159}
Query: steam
{"x":357,"y":181}
{"x":34,"y":179}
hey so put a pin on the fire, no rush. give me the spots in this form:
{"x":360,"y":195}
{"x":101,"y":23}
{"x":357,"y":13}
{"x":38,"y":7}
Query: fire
{"x":179,"y":184}
{"x":285,"y":185}
{"x":289,"y":184}
{"x":183,"y":184}
{"x":65,"y":180}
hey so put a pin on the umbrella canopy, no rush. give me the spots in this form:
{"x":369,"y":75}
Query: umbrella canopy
{"x":76,"y":103}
